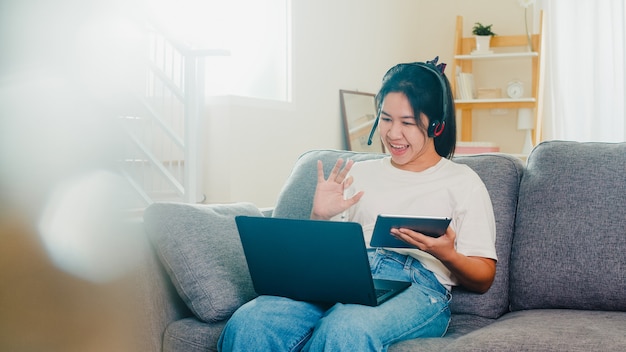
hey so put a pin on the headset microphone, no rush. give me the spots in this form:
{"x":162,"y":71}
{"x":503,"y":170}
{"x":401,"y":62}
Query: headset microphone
{"x":369,"y":140}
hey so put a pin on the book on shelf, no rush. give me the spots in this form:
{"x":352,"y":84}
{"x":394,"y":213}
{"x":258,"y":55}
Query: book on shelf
{"x":476,"y":147}
{"x":465,"y":87}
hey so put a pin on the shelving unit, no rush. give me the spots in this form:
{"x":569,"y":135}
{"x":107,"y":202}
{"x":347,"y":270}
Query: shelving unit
{"x":505,"y":48}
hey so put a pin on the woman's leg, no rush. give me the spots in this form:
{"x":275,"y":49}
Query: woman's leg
{"x":270,"y":323}
{"x":420,"y":311}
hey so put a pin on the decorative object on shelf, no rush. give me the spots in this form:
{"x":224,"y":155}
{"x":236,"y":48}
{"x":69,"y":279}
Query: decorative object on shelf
{"x":515,"y":89}
{"x":489,"y":93}
{"x":525,"y":121}
{"x":483,"y":38}
{"x":525,"y":4}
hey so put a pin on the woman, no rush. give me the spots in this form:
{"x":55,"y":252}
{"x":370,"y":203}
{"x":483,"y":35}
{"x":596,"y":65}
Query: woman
{"x":417,"y":127}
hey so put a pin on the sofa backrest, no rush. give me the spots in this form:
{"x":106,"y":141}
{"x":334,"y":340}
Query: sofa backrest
{"x":501,"y":175}
{"x":570,"y":232}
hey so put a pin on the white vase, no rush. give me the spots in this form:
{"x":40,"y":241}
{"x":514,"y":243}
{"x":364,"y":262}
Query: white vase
{"x":482,"y":43}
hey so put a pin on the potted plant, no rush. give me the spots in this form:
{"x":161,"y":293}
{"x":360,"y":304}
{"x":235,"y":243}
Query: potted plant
{"x":483,"y":37}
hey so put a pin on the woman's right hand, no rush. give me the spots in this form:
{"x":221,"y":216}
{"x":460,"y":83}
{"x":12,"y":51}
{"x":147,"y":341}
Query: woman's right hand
{"x":329,"y":193}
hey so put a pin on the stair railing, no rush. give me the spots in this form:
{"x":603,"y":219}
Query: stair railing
{"x":163,"y":162}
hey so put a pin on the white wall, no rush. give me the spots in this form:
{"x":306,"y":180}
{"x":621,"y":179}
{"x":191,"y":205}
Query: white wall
{"x":251,"y":145}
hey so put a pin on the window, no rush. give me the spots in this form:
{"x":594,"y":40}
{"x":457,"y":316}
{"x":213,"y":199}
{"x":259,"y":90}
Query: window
{"x":257,"y":33}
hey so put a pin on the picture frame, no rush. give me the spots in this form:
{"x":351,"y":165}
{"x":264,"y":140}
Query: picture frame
{"x":359,"y":113}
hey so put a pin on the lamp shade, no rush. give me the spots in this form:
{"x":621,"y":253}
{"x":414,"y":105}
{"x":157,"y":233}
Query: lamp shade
{"x":525,"y":120}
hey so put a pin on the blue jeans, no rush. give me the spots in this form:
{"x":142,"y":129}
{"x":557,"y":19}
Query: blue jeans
{"x":270,"y":323}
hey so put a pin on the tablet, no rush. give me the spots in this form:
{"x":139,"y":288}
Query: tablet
{"x":429,"y":226}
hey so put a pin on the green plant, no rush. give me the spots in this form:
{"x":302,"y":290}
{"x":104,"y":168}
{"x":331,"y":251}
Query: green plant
{"x":479,"y":29}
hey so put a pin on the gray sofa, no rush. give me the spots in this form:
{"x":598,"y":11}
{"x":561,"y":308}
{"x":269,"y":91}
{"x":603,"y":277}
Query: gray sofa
{"x":561,"y":240}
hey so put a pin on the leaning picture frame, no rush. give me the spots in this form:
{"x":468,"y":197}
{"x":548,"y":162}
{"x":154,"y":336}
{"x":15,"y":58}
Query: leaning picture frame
{"x":359,"y":114}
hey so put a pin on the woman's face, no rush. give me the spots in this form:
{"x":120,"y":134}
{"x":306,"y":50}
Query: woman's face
{"x":408,"y":143}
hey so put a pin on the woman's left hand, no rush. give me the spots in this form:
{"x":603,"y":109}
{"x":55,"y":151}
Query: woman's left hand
{"x":437,"y":247}
{"x":474,"y":273}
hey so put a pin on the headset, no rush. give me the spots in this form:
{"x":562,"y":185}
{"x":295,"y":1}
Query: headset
{"x":436,"y":126}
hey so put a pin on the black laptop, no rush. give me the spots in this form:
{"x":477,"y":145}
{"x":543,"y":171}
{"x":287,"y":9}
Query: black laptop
{"x":312,"y":260}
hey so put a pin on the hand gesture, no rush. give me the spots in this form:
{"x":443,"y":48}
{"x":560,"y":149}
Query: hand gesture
{"x":329,"y":197}
{"x":439,"y":247}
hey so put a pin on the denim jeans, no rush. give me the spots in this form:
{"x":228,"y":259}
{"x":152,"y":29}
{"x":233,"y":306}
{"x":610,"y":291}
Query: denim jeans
{"x":270,"y":323}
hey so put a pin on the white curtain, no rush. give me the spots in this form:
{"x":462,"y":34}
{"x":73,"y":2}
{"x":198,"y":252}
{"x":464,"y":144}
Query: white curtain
{"x":585,"y":79}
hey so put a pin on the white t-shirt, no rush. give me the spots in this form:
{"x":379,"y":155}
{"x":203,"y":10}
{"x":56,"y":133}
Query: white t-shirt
{"x":446,"y":189}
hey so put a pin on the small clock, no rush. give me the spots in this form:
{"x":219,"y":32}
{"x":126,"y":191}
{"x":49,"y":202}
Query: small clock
{"x":515,"y":89}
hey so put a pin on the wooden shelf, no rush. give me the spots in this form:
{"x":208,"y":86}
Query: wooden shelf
{"x":504,"y":47}
{"x":495,"y":100}
{"x":501,"y":103}
{"x":497,"y":55}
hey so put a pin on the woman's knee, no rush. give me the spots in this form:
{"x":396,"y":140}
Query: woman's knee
{"x":238,"y":322}
{"x":342,"y":330}
{"x":346,"y":317}
{"x":272,"y":322}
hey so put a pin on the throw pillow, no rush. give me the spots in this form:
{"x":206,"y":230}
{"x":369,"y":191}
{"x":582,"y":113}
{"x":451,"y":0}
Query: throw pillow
{"x":200,"y":249}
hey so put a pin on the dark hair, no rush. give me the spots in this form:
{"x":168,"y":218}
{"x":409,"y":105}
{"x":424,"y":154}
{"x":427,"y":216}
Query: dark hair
{"x":425,"y":93}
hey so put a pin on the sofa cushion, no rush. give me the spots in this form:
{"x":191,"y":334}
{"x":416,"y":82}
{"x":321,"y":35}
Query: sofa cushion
{"x":501,"y":174}
{"x":192,"y":335}
{"x":200,"y":249}
{"x":570,"y":237}
{"x":545,"y":330}
{"x":460,"y":324}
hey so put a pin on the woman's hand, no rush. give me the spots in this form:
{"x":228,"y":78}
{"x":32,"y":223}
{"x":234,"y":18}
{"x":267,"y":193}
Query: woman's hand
{"x":329,"y":199}
{"x":438,"y":247}
{"x":473,"y":273}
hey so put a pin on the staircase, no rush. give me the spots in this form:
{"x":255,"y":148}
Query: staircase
{"x":161,"y":156}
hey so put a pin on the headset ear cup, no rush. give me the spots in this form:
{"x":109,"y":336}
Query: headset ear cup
{"x":435,"y":129}
{"x":438,"y":130}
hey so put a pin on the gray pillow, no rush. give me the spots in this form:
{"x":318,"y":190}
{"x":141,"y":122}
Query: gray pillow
{"x":200,"y":249}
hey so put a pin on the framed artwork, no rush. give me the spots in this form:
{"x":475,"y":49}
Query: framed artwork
{"x":359,"y":113}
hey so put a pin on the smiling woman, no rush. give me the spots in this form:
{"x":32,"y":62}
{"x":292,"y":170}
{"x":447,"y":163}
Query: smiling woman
{"x":258,"y":40}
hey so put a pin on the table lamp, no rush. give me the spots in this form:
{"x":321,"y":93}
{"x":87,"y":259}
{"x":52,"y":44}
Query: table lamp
{"x":525,"y":121}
